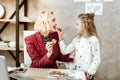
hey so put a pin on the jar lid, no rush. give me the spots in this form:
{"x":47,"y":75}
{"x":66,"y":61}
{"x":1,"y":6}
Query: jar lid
{"x":2,"y":11}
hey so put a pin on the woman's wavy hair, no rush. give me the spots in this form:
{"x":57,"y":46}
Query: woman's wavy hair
{"x":41,"y":23}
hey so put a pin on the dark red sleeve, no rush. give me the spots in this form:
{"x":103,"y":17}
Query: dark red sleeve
{"x":38,"y":61}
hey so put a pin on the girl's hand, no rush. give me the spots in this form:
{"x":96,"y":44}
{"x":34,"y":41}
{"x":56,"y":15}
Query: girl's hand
{"x":87,"y":76}
{"x":60,"y":33}
{"x":49,"y":47}
{"x":72,"y":55}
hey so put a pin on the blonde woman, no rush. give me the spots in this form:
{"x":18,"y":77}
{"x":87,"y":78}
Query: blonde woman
{"x":86,"y":45}
{"x":43,"y":47}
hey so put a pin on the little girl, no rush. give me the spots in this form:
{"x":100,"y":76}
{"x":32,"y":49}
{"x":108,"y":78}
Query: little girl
{"x":85,"y":44}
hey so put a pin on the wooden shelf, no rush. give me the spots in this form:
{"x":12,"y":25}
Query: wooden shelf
{"x":16,"y":19}
{"x":12,"y":20}
{"x":11,"y":48}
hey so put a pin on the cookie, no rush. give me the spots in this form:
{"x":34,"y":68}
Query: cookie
{"x":54,"y":41}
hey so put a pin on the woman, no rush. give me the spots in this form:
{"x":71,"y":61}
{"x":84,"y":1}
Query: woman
{"x":86,"y":45}
{"x":41,"y":49}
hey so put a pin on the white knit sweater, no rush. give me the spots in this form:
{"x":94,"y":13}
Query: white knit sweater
{"x":87,"y":53}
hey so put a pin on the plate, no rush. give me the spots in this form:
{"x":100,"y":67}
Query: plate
{"x":57,"y":73}
{"x":2,"y":11}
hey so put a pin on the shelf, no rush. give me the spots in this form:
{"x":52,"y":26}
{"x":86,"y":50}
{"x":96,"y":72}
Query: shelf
{"x":11,"y":48}
{"x":12,"y":20}
{"x":16,"y":19}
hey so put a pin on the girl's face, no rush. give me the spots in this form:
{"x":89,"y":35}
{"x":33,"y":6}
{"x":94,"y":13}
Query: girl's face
{"x":52,"y":24}
{"x":79,"y":26}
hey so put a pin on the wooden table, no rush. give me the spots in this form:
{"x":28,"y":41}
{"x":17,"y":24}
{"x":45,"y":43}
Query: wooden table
{"x":43,"y":74}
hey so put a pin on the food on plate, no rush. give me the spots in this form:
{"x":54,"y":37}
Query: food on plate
{"x":54,"y":41}
{"x":57,"y":72}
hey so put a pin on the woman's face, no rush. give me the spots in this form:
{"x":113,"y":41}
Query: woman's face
{"x":52,"y":24}
{"x":79,"y":26}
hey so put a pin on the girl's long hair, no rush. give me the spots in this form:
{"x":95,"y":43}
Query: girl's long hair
{"x":88,"y":25}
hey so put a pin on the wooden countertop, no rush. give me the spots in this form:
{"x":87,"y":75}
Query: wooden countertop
{"x":43,"y":73}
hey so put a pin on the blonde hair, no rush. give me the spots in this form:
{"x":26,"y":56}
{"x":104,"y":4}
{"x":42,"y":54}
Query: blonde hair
{"x":89,"y":28}
{"x":41,"y":23}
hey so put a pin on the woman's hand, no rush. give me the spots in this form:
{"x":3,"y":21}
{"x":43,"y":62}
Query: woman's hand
{"x":60,"y":33}
{"x":49,"y":47}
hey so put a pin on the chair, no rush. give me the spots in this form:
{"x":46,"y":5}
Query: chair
{"x":27,"y":59}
